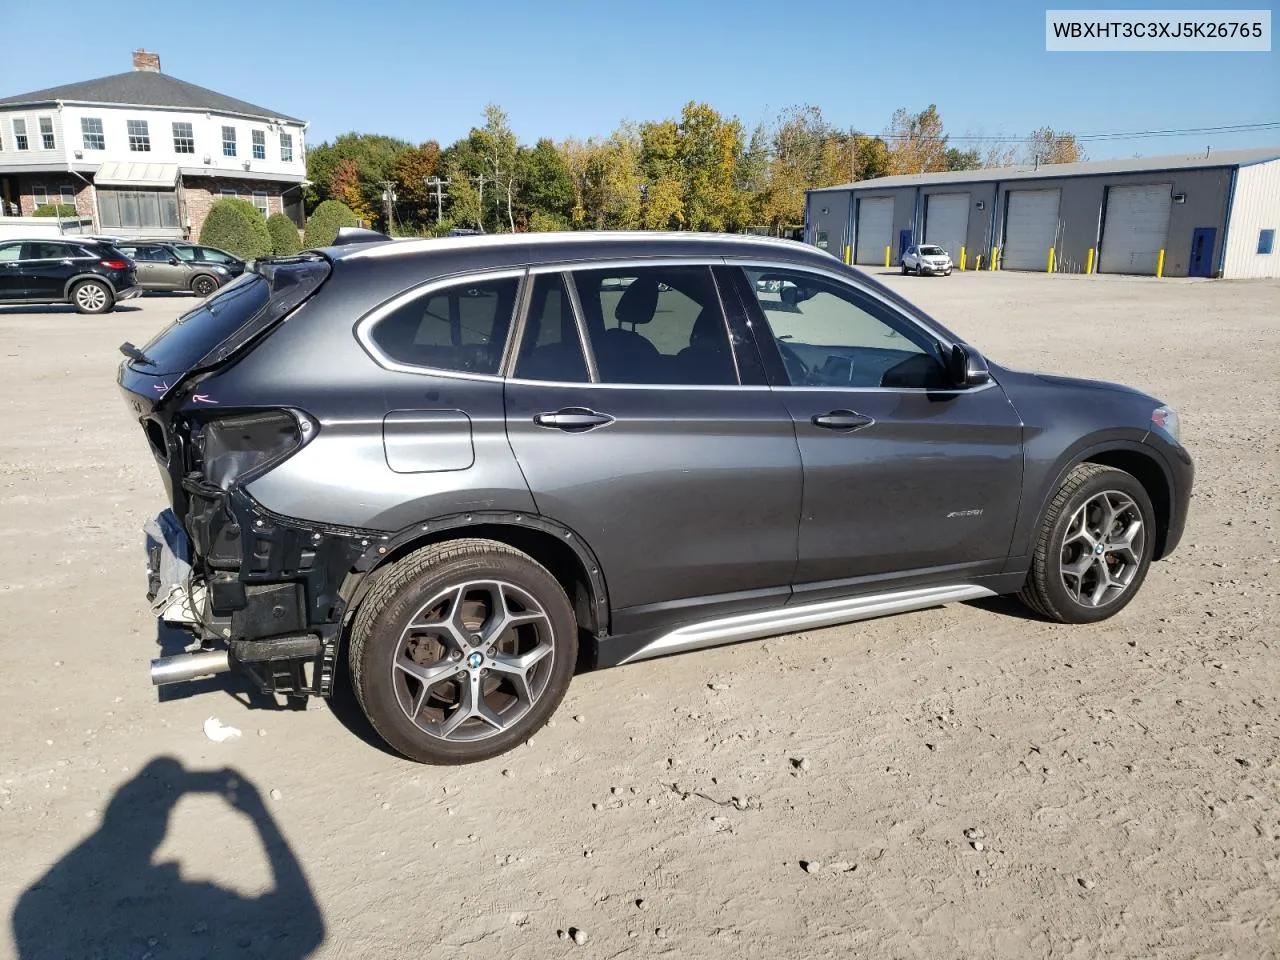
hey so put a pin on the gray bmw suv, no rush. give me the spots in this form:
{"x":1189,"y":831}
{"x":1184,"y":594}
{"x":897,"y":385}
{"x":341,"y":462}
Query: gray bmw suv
{"x":474,"y":465}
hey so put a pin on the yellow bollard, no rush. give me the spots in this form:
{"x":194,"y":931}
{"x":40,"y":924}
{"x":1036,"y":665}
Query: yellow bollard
{"x":995,"y":257}
{"x":1088,"y":267}
{"x":1052,"y":251}
{"x":848,"y":254}
{"x":886,"y":256}
{"x":1160,"y":264}
{"x":962,"y":259}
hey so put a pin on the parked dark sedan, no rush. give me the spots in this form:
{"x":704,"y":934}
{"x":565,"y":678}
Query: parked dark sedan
{"x":198,"y":253}
{"x":482,"y":462}
{"x":89,"y":274}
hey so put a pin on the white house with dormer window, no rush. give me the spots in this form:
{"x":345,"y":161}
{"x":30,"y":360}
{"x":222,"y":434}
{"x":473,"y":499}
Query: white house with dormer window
{"x":146,"y":154}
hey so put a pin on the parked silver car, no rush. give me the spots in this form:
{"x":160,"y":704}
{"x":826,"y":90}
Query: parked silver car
{"x":927,"y":258}
{"x":160,"y":267}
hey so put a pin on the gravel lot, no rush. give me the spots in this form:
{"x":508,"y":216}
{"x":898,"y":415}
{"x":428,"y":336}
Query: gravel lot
{"x":1121,"y":780}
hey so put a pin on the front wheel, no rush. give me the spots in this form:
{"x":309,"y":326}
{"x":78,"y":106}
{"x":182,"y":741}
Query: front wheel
{"x":202,"y":286}
{"x":462,"y":650}
{"x":1094,"y":547}
{"x":92,"y":296}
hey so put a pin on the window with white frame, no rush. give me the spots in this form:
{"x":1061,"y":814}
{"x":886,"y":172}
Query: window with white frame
{"x":228,"y":141}
{"x":91,"y":133}
{"x":286,"y":147}
{"x":20,"y":134}
{"x":260,"y":201}
{"x":184,"y":140}
{"x":47,"y":141}
{"x":259,"y":144}
{"x":139,"y":136}
{"x":67,"y":195}
{"x":39,"y":196}
{"x":227,"y":192}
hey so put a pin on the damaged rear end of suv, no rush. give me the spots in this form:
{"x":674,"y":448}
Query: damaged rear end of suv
{"x":256,"y":593}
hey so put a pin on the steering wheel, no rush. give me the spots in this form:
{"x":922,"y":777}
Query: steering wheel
{"x":797,"y":369}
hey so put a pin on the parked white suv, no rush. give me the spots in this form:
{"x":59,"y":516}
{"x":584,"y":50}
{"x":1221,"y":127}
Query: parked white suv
{"x":926,"y":258}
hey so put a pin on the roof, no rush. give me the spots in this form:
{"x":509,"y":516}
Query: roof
{"x":146,"y":88}
{"x":1221,"y":158}
{"x":643,"y":238}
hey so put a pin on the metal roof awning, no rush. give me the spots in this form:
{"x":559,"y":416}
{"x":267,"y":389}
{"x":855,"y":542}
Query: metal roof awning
{"x":121,"y":174}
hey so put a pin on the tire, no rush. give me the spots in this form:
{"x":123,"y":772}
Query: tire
{"x":203,"y":285}
{"x":92,"y":296}
{"x":424,"y":588}
{"x":904,"y":270}
{"x":1071,"y":579}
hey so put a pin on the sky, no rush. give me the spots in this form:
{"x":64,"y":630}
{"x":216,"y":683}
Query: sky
{"x":425,"y":70}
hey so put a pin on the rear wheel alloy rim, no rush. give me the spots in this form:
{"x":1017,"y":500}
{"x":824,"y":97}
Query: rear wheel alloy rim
{"x":473,"y":660}
{"x":204,"y":287}
{"x":1102,"y":550}
{"x":91,"y":297}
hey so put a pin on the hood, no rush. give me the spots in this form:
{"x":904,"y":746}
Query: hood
{"x":1083,"y":384}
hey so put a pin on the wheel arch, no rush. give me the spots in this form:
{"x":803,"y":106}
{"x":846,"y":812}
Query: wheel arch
{"x":81,"y":278}
{"x":1133,"y":457}
{"x":561,"y":550}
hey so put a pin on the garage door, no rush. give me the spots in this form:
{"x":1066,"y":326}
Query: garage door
{"x":1135,"y":229}
{"x":875,"y":229}
{"x":946,"y":221}
{"x":1030,"y":229}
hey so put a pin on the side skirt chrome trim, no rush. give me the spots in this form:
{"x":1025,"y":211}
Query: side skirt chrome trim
{"x":810,"y":616}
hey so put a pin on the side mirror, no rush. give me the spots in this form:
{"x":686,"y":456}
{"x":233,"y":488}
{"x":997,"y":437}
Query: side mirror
{"x":968,"y":368}
{"x":174,"y":261}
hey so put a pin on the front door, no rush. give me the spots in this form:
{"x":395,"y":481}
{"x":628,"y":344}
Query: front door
{"x":1201,"y":262}
{"x":904,"y":476}
{"x":12,"y":283}
{"x":655,"y":445}
{"x":904,"y":241}
{"x":152,"y":263}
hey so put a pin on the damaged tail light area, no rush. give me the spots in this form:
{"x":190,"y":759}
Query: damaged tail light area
{"x":235,"y":449}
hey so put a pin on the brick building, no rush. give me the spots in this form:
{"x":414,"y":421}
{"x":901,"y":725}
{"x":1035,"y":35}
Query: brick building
{"x":144,"y":153}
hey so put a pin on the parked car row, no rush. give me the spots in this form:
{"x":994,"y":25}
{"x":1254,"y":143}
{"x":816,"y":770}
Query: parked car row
{"x":94,"y":273}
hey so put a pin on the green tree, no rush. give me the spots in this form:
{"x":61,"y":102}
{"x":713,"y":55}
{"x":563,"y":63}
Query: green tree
{"x":412,"y":169}
{"x":236,"y":226}
{"x":323,"y":224}
{"x":545,"y":186}
{"x":710,"y":147}
{"x":284,"y":235}
{"x":962,"y":159}
{"x":373,"y":158}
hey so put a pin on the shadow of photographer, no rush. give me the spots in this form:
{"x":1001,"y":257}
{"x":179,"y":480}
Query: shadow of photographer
{"x":108,"y":898}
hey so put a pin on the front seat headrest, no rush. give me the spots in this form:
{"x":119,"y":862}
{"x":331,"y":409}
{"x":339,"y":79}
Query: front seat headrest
{"x":639,"y":302}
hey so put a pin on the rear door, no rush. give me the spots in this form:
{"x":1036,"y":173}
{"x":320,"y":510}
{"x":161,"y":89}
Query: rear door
{"x":151,"y":262}
{"x":905,"y":477}
{"x":660,"y":444}
{"x":46,"y":266}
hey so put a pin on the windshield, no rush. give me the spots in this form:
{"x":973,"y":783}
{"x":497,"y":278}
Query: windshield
{"x":932,"y":252}
{"x":236,"y":314}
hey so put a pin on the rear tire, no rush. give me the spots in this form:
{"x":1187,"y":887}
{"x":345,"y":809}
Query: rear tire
{"x":92,"y":296}
{"x":442,"y":695}
{"x":203,"y":285}
{"x":1094,"y":547}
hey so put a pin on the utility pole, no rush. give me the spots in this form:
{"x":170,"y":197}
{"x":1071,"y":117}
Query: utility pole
{"x":388,"y":199}
{"x":481,"y":180}
{"x":438,"y":184}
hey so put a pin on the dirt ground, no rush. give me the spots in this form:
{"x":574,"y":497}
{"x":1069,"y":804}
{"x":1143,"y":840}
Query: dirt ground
{"x":1122,"y":779}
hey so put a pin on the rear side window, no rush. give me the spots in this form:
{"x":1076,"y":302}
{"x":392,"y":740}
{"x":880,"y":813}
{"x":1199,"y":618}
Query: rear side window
{"x":462,"y":328}
{"x":656,"y":325}
{"x":551,"y":348}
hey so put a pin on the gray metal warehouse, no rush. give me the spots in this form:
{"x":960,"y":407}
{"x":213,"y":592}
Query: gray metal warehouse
{"x":1211,"y":215}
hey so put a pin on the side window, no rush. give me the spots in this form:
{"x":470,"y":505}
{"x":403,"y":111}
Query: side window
{"x":10,"y":252}
{"x":833,"y":335}
{"x":656,"y":325}
{"x":217,"y":256}
{"x":462,"y":328}
{"x":551,"y":348}
{"x":185,"y":253}
{"x":35,"y":250}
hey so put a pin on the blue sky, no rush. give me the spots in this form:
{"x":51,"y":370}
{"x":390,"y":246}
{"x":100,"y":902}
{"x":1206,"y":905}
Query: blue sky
{"x":423,"y":70}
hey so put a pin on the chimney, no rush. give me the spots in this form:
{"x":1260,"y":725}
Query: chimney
{"x":144,"y":60}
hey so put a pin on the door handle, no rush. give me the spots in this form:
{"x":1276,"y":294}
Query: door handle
{"x":572,"y":418}
{"x":842,"y":420}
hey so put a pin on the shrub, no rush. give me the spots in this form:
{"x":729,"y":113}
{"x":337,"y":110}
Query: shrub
{"x":284,"y":235}
{"x":323,"y":224}
{"x":56,"y":210}
{"x":540,"y":222}
{"x":236,"y":226}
